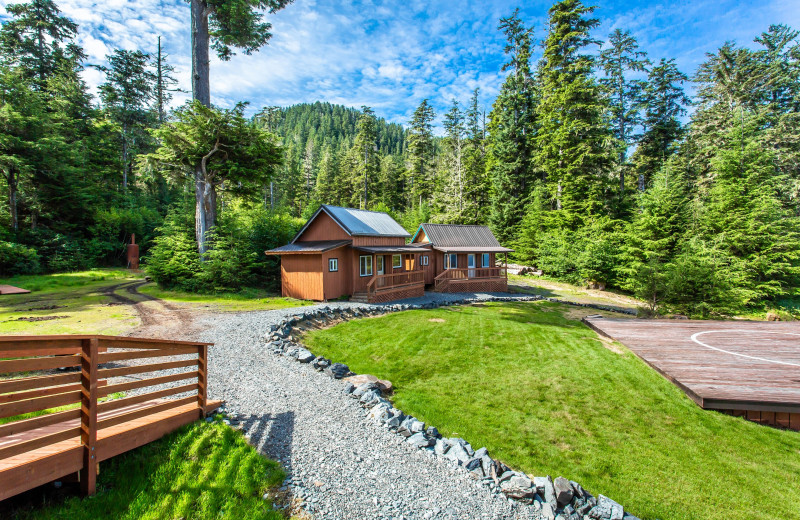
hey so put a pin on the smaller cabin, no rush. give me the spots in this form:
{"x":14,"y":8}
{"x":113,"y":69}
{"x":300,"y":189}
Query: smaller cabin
{"x":363,"y":254}
{"x":463,"y":258}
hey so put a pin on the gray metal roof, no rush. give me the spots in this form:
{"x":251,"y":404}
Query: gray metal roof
{"x":391,"y":249}
{"x":473,"y":249}
{"x":310,"y":247}
{"x":453,"y":237}
{"x":360,"y":222}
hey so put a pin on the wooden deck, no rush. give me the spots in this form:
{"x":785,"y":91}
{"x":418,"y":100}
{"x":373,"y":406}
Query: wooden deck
{"x":740,"y":367}
{"x":58,"y":444}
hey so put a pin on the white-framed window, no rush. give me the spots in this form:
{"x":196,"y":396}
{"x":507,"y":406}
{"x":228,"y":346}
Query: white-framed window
{"x":451,"y":261}
{"x":486,"y":259}
{"x":397,"y":261}
{"x":379,"y":263}
{"x":365,"y":265}
{"x":424,"y":260}
{"x":333,"y":264}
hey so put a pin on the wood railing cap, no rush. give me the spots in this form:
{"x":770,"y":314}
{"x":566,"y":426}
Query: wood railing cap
{"x":100,"y":337}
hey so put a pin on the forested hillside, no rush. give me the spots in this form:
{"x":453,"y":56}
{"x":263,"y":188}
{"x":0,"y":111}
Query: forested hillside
{"x":593,"y":162}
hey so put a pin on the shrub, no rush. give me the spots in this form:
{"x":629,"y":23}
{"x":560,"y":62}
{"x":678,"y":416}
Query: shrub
{"x":18,"y":259}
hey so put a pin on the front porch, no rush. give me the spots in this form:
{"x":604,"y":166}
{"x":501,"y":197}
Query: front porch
{"x":388,"y":287}
{"x":472,"y":279}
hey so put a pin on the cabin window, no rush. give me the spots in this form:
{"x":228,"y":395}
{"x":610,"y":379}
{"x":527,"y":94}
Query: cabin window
{"x":424,"y":260}
{"x":451,"y":261}
{"x":485,"y":260}
{"x":333,"y":264}
{"x":366,"y":265}
{"x":379,"y":262}
{"x":397,"y":261}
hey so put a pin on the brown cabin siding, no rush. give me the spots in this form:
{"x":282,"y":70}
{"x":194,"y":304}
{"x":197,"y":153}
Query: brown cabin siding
{"x":337,"y":283}
{"x":301,"y":277}
{"x":378,"y":241}
{"x":323,"y":228}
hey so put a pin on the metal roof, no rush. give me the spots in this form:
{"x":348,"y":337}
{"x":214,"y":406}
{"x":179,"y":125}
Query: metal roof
{"x":473,"y":249}
{"x":391,"y":249}
{"x":310,"y":247}
{"x":453,"y":237}
{"x":360,"y":222}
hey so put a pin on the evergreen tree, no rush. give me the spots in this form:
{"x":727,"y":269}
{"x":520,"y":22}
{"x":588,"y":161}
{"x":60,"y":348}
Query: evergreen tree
{"x":127,"y":94}
{"x":454,"y":162}
{"x":420,"y":153}
{"x":574,"y":143}
{"x":476,"y":184}
{"x":621,"y":58}
{"x":512,"y":125}
{"x":38,"y":38}
{"x":664,"y":102}
{"x":165,"y":83}
{"x":366,"y":145}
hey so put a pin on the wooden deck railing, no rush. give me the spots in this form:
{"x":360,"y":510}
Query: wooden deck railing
{"x":391,"y":281}
{"x":470,"y":273}
{"x":91,"y":429}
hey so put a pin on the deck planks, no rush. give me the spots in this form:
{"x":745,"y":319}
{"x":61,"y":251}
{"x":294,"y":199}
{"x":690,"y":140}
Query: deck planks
{"x":768,"y":379}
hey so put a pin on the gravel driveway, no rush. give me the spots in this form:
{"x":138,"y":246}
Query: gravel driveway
{"x":341,"y":464}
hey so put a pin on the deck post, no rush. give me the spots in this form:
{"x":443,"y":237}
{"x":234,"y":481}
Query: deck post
{"x":89,"y":357}
{"x":202,"y":378}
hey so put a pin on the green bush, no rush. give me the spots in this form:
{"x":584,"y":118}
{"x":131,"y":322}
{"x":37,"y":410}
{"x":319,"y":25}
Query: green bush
{"x":173,"y":260}
{"x":18,"y":259}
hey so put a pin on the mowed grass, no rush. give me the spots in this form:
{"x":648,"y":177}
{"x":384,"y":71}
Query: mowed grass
{"x":79,"y":303}
{"x":545,"y":395}
{"x":244,"y":300}
{"x":202,"y":471}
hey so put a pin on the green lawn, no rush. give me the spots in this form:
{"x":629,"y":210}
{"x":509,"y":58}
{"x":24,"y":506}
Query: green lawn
{"x":545,"y":395}
{"x":202,"y":471}
{"x":76,"y":299}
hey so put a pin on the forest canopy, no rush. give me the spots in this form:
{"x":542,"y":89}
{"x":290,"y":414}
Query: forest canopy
{"x":597,"y":164}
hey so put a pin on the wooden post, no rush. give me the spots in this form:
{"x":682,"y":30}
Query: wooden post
{"x":202,"y":378}
{"x":88,"y":474}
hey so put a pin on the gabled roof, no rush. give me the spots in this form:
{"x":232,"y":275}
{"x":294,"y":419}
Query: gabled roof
{"x":315,"y":246}
{"x":360,"y":222}
{"x":461,"y":238}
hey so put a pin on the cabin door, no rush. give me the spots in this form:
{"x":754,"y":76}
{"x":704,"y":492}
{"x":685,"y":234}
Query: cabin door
{"x":471,"y":265}
{"x":379,"y":261}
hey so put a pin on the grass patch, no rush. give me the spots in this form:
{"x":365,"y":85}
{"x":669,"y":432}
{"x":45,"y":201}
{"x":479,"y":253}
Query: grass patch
{"x":545,"y":395}
{"x":202,"y":471}
{"x":78,"y":297}
{"x":244,"y":300}
{"x":550,"y":288}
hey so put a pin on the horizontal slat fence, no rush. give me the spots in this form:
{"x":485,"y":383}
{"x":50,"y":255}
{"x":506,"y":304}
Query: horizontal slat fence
{"x":42,"y":373}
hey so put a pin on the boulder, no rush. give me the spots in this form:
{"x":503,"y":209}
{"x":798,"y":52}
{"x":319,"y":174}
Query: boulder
{"x":321,"y":363}
{"x":432,"y":431}
{"x":606,"y":509}
{"x":416,"y":426}
{"x":473,"y":463}
{"x":363,"y":388}
{"x":544,"y":485}
{"x":563,"y":491}
{"x":419,"y":440}
{"x":518,"y":487}
{"x":457,"y":453}
{"x":384,"y":385}
{"x":337,"y":370}
{"x":304,"y":355}
{"x":441,"y":447}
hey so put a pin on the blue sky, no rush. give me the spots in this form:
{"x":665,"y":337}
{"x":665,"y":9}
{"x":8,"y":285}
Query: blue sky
{"x":392,"y":54}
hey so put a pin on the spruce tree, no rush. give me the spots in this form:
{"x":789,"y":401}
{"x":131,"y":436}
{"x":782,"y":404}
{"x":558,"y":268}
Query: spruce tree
{"x":619,"y":61}
{"x":420,"y":153}
{"x":512,"y":125}
{"x":575,"y":146}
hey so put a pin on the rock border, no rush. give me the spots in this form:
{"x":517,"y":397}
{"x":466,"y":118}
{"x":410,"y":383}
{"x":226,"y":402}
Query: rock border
{"x":558,"y":499}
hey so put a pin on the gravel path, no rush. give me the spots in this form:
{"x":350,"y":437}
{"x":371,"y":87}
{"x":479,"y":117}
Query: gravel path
{"x":341,"y":464}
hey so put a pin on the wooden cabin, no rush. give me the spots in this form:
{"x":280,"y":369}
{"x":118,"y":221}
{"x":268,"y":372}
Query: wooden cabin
{"x":462,"y":258}
{"x":364,"y":255}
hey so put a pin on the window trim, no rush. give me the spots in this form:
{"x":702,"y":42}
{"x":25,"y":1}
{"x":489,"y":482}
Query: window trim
{"x":424,"y":260}
{"x":333,"y":265}
{"x":448,"y":261}
{"x":486,"y":259}
{"x":399,"y":261}
{"x":361,"y":265}
{"x":379,"y":261}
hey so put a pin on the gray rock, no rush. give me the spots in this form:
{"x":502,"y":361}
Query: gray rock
{"x":518,"y":487}
{"x":563,"y":491}
{"x":480,"y":453}
{"x":337,"y":370}
{"x":441,"y":447}
{"x":362,"y":389}
{"x":548,"y":513}
{"x":606,"y":509}
{"x":416,"y":426}
{"x":457,"y":453}
{"x":544,"y":485}
{"x":473,"y":463}
{"x":304,"y":355}
{"x":419,"y":440}
{"x":433,"y":432}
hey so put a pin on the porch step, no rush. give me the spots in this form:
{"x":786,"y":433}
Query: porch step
{"x":359,"y":297}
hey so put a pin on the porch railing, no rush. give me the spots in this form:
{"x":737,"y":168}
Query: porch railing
{"x":390,"y":281}
{"x":469,"y":273}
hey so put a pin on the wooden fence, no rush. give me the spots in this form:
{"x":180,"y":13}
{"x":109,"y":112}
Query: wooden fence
{"x":66,"y":380}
